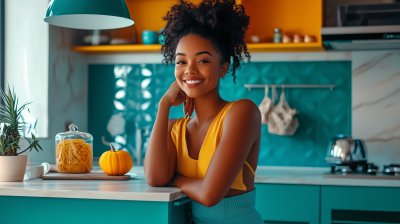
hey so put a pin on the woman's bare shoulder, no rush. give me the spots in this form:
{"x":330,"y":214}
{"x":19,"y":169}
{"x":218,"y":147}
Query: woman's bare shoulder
{"x":246,"y":107}
{"x":244,"y":114}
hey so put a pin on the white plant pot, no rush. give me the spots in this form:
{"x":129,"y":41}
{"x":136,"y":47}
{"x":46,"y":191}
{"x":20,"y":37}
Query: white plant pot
{"x":12,"y":168}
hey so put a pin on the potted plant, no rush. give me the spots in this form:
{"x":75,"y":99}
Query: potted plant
{"x":12,"y":164}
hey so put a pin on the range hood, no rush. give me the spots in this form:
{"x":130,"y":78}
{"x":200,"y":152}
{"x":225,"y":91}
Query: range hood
{"x":361,"y":38}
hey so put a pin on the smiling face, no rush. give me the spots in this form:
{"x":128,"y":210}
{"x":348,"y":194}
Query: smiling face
{"x":198,"y":65}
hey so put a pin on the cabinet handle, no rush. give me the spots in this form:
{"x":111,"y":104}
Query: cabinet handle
{"x":179,"y":203}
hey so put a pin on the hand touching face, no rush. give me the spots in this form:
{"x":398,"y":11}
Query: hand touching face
{"x":198,"y":65}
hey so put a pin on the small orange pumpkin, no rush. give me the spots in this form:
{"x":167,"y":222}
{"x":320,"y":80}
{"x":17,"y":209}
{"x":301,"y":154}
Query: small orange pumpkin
{"x":115,"y":162}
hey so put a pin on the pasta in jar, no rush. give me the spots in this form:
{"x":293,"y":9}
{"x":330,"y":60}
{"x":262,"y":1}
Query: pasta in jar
{"x":74,"y":151}
{"x":74,"y":156}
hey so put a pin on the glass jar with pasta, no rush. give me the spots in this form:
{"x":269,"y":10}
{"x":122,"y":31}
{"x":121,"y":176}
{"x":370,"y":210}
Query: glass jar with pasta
{"x":74,"y":151}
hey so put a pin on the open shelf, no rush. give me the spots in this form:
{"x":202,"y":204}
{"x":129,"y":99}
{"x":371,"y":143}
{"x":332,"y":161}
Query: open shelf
{"x":154,"y":48}
{"x":115,"y":49}
{"x":291,"y":16}
{"x":289,"y":47}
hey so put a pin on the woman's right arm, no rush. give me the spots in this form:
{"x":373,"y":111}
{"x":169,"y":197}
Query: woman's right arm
{"x":160,"y":159}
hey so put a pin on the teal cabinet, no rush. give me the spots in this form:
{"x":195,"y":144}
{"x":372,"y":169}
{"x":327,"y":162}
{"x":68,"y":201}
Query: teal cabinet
{"x":22,"y":210}
{"x":281,"y":203}
{"x":342,"y":204}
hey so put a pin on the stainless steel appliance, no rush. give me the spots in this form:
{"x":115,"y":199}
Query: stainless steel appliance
{"x":369,"y":14}
{"x":344,"y":149}
{"x":364,"y":27}
{"x":347,"y":155}
{"x":392,"y":169}
{"x":389,"y":172}
{"x":348,"y":159}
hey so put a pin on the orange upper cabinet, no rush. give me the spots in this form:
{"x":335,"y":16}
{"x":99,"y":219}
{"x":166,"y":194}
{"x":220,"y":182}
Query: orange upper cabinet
{"x":148,"y":14}
{"x":301,"y":17}
{"x":293,"y":17}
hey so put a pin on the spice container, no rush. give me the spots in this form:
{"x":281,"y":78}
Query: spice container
{"x":309,"y":39}
{"x":287,"y":39}
{"x":298,"y":39}
{"x":277,"y":35}
{"x":74,"y":151}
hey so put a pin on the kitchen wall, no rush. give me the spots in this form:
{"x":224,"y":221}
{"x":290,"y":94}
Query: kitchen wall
{"x":26,"y":58}
{"x":376,"y":103}
{"x":67,"y":91}
{"x":123,"y":98}
{"x":375,"y":92}
{"x":375,"y":96}
{"x":43,"y":70}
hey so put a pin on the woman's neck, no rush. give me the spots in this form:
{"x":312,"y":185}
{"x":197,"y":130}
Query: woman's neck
{"x":208,"y":106}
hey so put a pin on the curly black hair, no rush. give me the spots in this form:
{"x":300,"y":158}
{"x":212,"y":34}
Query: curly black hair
{"x":223,"y":22}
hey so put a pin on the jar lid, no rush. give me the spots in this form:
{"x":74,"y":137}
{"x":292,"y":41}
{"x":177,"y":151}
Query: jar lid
{"x":276,"y":30}
{"x":73,"y":133}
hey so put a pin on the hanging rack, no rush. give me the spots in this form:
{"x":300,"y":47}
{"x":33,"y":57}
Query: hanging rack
{"x":250,"y":86}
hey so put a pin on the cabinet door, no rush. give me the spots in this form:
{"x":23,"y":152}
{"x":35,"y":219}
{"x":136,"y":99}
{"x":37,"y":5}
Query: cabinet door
{"x":340,"y":204}
{"x":70,"y":210}
{"x":280,"y":203}
{"x":179,"y":211}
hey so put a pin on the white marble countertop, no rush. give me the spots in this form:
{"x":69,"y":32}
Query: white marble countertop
{"x":134,"y":189}
{"x":138,"y":190}
{"x":315,"y":176}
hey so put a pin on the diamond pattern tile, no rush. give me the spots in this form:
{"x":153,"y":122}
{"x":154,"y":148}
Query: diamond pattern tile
{"x":132,"y":92}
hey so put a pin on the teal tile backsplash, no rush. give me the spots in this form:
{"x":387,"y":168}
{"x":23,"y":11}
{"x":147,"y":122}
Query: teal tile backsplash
{"x":124,"y":99}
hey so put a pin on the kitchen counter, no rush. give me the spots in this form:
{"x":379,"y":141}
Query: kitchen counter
{"x":277,"y":190}
{"x":308,"y":176}
{"x":315,"y":176}
{"x":93,"y":201}
{"x":134,"y":189}
{"x":138,"y":190}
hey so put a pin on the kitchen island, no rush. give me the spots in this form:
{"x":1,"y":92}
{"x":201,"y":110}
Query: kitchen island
{"x":284,"y":194}
{"x":92,"y":201}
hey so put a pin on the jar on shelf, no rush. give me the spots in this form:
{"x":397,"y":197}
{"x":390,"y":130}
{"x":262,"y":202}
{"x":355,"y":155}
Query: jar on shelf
{"x":287,"y":39}
{"x":74,"y":151}
{"x":309,"y":39}
{"x":277,"y":35}
{"x":298,"y":39}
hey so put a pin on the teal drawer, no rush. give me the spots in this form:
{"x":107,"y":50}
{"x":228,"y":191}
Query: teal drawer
{"x":22,"y":210}
{"x":179,"y":210}
{"x":340,"y":204}
{"x":288,"y":203}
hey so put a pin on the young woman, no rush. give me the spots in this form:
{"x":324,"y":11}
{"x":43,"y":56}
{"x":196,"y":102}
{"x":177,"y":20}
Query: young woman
{"x":211,"y":156}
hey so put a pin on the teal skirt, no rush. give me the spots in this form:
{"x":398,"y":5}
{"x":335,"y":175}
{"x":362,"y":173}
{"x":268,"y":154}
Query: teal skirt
{"x":238,"y":209}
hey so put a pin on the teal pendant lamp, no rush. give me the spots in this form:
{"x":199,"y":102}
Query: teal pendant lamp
{"x":89,"y":14}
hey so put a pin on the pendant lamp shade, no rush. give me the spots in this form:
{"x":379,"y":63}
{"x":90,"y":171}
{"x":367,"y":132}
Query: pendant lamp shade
{"x":89,"y":14}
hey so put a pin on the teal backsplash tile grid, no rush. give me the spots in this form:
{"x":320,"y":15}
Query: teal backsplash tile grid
{"x":128,"y":96}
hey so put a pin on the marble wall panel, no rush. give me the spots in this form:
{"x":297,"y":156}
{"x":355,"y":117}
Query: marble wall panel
{"x":376,"y":104}
{"x":67,"y":89}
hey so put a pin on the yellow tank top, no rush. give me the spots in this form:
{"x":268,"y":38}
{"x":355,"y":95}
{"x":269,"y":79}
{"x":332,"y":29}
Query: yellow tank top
{"x":197,"y":169}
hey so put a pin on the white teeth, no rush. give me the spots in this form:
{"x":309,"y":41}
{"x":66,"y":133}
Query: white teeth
{"x":193,"y":81}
